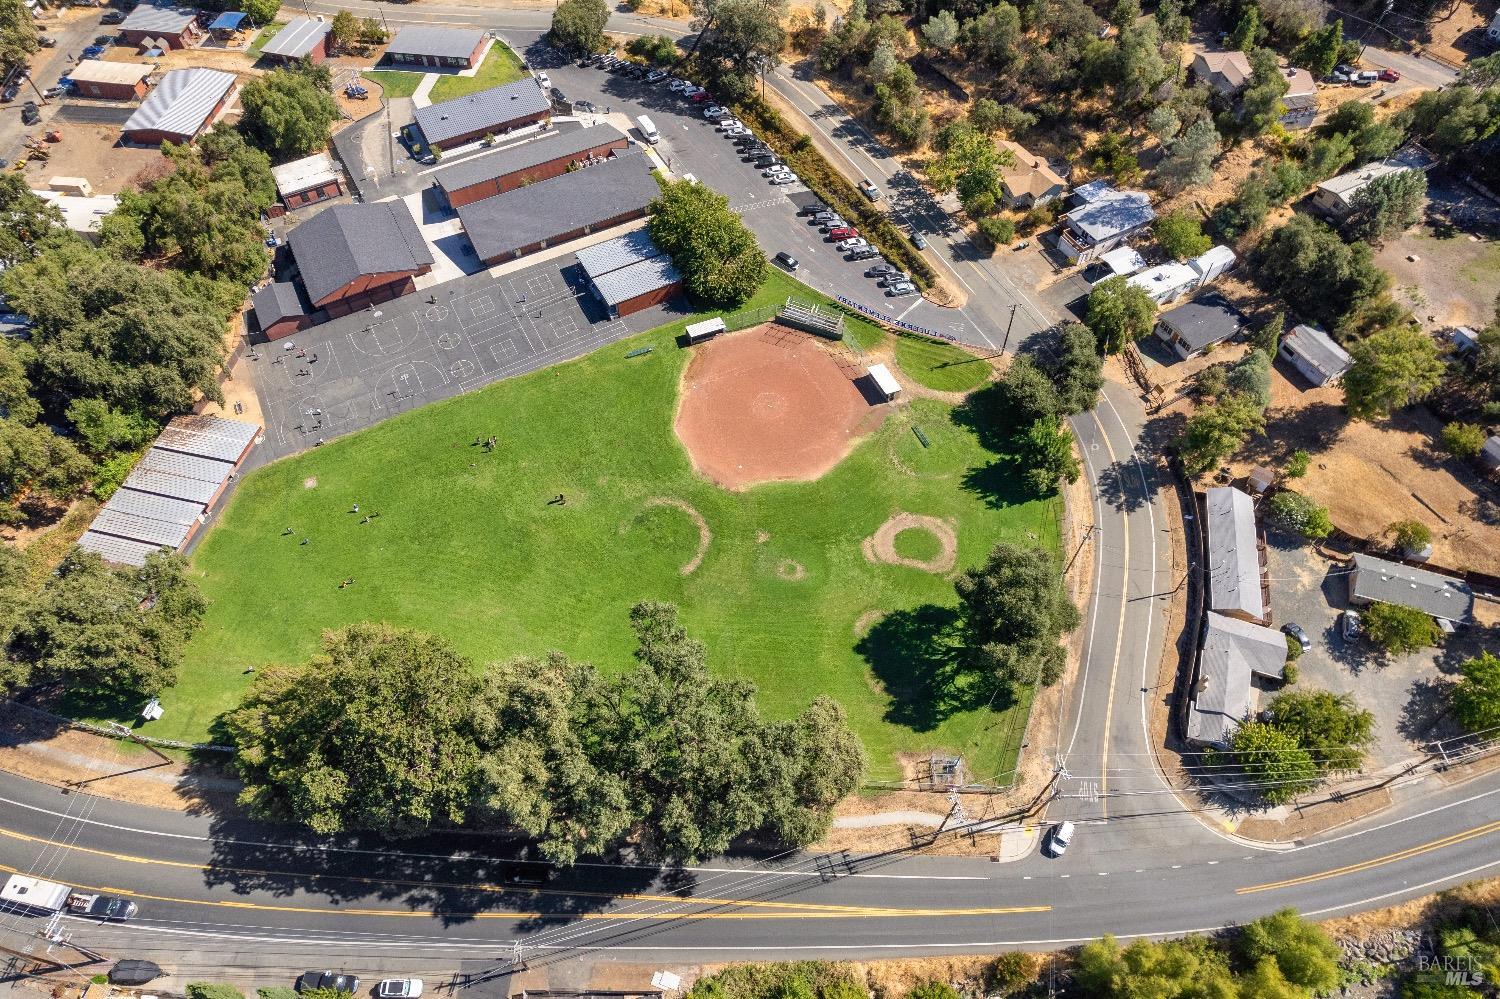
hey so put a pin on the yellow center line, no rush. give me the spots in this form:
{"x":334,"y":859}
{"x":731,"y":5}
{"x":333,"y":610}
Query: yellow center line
{"x":780,"y":910}
{"x":1390,"y":858}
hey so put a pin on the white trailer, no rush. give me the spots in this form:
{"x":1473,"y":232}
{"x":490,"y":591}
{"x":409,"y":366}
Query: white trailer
{"x":35,"y":893}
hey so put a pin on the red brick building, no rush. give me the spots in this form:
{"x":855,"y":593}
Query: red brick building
{"x":110,"y":81}
{"x":496,"y":111}
{"x":424,"y":45}
{"x":351,"y":257}
{"x":308,"y":180}
{"x":171,"y":28}
{"x":301,"y":38}
{"x":182,"y":107}
{"x":549,"y":155}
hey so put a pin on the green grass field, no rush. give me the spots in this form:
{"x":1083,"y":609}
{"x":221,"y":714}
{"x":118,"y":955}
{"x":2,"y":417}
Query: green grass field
{"x":467,"y":547}
{"x":266,"y":34}
{"x":501,"y":66}
{"x":939,"y":365}
{"x":395,"y":83}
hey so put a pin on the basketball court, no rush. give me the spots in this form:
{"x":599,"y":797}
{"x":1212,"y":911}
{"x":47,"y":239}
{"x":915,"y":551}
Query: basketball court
{"x":772,"y":404}
{"x":353,"y":372}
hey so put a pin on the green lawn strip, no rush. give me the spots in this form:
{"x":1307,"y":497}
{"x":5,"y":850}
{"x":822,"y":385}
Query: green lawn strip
{"x":475,"y":553}
{"x":918,"y":543}
{"x":395,"y":83}
{"x":266,"y":34}
{"x":940,"y":366}
{"x":501,"y":66}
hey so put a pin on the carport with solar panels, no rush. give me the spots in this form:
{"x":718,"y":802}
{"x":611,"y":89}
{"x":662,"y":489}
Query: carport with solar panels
{"x":167,"y":497}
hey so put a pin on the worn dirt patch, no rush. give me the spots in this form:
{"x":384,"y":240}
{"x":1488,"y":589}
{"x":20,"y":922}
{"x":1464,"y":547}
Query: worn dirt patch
{"x":705,"y":536}
{"x":881,"y":546}
{"x":771,"y":405}
{"x":761,"y":537}
{"x":311,"y":482}
{"x":866,"y":621}
{"x":790,"y":571}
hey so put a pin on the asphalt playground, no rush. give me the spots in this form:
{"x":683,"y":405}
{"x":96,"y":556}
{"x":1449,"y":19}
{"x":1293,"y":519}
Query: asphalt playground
{"x":353,"y":372}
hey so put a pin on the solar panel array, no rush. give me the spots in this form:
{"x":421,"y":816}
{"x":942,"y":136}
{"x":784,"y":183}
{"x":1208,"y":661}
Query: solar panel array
{"x":166,"y":497}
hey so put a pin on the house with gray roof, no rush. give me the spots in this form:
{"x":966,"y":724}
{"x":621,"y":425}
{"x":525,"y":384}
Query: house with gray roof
{"x":1315,"y":355}
{"x":182,"y":107}
{"x":548,"y":154}
{"x":1194,"y":326}
{"x":1102,"y":218}
{"x":562,"y":209}
{"x":161,"y":27}
{"x":1235,"y":557}
{"x":1374,"y":580}
{"x":495,"y":111}
{"x":300,"y":38}
{"x":425,"y":45}
{"x":353,"y":256}
{"x":1233,"y":653}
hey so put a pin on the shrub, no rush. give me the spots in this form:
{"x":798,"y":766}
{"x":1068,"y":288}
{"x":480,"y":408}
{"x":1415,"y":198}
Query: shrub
{"x":1293,"y":649}
{"x":1296,"y":465}
{"x":933,"y":990}
{"x":276,"y":992}
{"x":1463,"y":440}
{"x":1476,"y":696}
{"x":1039,"y":217}
{"x":1296,"y":512}
{"x":1010,"y":972}
{"x":1289,"y":673}
{"x":213,"y":990}
{"x":1400,"y":629}
{"x":1410,"y":535}
{"x":999,"y":231}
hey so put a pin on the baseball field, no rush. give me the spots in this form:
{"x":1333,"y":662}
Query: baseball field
{"x":589,"y":502}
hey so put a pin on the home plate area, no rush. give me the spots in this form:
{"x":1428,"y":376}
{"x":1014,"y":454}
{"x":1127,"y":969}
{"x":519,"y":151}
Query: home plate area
{"x":353,"y":372}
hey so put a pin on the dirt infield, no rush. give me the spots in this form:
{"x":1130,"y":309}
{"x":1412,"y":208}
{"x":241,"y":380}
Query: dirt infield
{"x":881,"y":546}
{"x":771,"y":404}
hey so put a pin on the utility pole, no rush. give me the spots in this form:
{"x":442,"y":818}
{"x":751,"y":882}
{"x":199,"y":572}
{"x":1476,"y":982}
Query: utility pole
{"x":1013,"y":307}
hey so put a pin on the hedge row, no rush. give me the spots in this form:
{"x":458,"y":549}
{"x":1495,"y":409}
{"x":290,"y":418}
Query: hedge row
{"x":837,"y":192}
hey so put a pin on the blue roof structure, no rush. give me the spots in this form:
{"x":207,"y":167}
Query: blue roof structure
{"x":230,"y":20}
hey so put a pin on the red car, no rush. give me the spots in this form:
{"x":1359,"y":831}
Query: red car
{"x":700,"y":96}
{"x":1389,"y":76}
{"x":842,"y":233}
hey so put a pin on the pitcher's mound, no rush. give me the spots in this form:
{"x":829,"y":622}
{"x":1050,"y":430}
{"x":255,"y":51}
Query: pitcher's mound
{"x":771,"y":404}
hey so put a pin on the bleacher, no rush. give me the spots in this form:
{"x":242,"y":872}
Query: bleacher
{"x":811,"y":319}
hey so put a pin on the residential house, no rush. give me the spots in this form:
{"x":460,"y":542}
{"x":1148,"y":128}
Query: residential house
{"x":1373,"y":580}
{"x":82,"y":213}
{"x":182,"y":107}
{"x":1315,"y":355}
{"x":1165,"y":282}
{"x":562,"y":209}
{"x":495,"y":111}
{"x":308,"y":180}
{"x":1300,"y":99}
{"x":1235,"y":556}
{"x":301,"y":38}
{"x":1101,"y":219}
{"x":424,"y":45}
{"x":353,"y":256}
{"x":629,"y":273}
{"x":1028,"y":180}
{"x":549,"y":154}
{"x":1232,"y":655}
{"x":1226,"y":73}
{"x":160,"y":27}
{"x":111,"y":81}
{"x":1336,"y":196}
{"x":1193,"y":327}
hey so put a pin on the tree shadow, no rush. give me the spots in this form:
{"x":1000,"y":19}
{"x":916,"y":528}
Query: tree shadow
{"x":915,"y":656}
{"x":1424,"y":716}
{"x":1119,"y":486}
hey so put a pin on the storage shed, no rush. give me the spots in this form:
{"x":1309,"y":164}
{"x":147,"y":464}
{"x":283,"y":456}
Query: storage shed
{"x":1315,"y":355}
{"x":885,"y":383}
{"x":301,"y":38}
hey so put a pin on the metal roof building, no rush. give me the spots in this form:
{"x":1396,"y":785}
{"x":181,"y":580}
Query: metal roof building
{"x":495,"y":110}
{"x":1374,"y":580}
{"x":300,"y":36}
{"x":122,"y":551}
{"x":1233,"y":554}
{"x":421,"y":40}
{"x":208,"y":437}
{"x":180,"y":106}
{"x":552,"y":145}
{"x":1232,"y":653}
{"x":1315,"y":354}
{"x":637,"y":279}
{"x":566,"y":207}
{"x":611,"y":255}
{"x":159,"y":20}
{"x":100,"y":71}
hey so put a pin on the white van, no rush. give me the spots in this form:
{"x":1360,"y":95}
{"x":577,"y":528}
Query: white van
{"x":648,"y":130}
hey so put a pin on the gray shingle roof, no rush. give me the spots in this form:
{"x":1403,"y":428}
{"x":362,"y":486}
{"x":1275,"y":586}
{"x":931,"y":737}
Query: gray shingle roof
{"x":1318,"y":349}
{"x":298,"y":38}
{"x":644,"y":276}
{"x":527,"y":215}
{"x":1232,"y":652}
{"x":1205,"y":320}
{"x":631,"y":248}
{"x":440,"y":43}
{"x":165,"y":20}
{"x":1233,"y":557}
{"x":1490,"y":454}
{"x":182,"y":102}
{"x":1377,"y":580}
{"x":1109,"y":213}
{"x":275,"y":302}
{"x":491,"y":109}
{"x":346,"y":242}
{"x":206,"y":436}
{"x":544,"y":148}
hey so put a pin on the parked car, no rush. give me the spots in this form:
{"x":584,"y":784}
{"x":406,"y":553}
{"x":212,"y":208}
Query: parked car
{"x":106,"y":908}
{"x":327,"y":980}
{"x":918,"y":240}
{"x":399,"y":988}
{"x":1350,"y":626}
{"x":1298,"y":634}
{"x":1346,"y":69}
{"x":715,"y":113}
{"x":544,"y":80}
{"x":783,"y":179}
{"x":864,"y":253}
{"x":812,"y":208}
{"x":698,"y":96}
{"x":112,"y":17}
{"x":842,"y":232}
{"x":30,"y":113}
{"x":93,"y":52}
{"x":869,"y":190}
{"x":1389,"y":76}
{"x":656,"y":76}
{"x":678,"y":86}
{"x":588,"y":107}
{"x":1059,"y":837}
{"x":1366,"y":77}
{"x":56,"y":91}
{"x":880,"y":269}
{"x":854,"y":243}
{"x":725,"y":124}
{"x":775,"y":169}
{"x":893,"y":277}
{"x":786,"y":260}
{"x":737,"y":130}
{"x":1337,"y":77}
{"x":46,"y":41}
{"x":833,"y":223}
{"x":766,"y":160}
{"x":10,"y":93}
{"x":901,"y":288}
